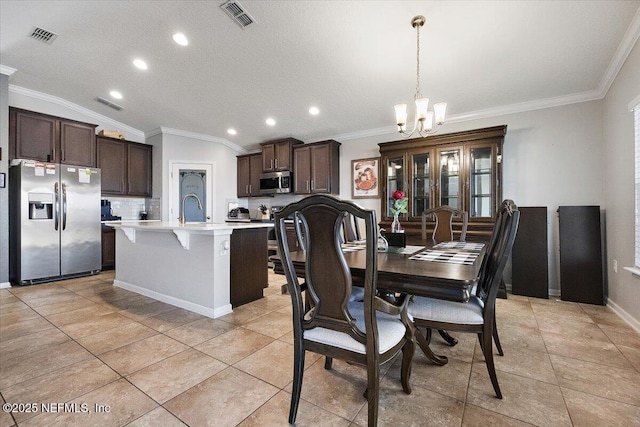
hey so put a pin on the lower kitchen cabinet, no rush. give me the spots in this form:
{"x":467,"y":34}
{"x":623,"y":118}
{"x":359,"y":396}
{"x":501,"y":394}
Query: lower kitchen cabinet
{"x":108,"y":248}
{"x":249,"y":274}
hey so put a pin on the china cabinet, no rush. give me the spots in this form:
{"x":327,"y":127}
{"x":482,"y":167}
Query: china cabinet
{"x":462,"y":170}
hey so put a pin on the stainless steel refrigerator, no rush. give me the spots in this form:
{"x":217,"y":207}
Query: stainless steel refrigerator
{"x":54,"y":217}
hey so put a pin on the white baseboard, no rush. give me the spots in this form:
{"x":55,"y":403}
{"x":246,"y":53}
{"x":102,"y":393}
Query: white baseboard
{"x":5,"y":285}
{"x":630,"y":320}
{"x":187,"y":305}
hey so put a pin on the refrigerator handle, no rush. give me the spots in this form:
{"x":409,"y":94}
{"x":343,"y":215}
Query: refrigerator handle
{"x":56,"y":214}
{"x":64,"y":206}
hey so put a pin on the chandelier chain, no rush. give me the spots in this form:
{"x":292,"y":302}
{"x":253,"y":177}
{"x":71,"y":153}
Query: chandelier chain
{"x":418,"y":94}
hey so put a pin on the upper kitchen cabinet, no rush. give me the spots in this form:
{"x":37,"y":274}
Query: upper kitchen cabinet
{"x":277,"y":155}
{"x":462,"y":170}
{"x":47,"y":138}
{"x":249,"y":170}
{"x":112,"y":158}
{"x":139,"y":169}
{"x":126,"y":167}
{"x":316,"y":168}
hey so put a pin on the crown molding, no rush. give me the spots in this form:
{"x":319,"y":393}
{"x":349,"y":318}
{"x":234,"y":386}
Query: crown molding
{"x":521,"y":107}
{"x":193,"y":135}
{"x":620,"y":56}
{"x":7,"y":70}
{"x":75,"y":107}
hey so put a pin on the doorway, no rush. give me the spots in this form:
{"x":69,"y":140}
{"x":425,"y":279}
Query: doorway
{"x":191,"y":178}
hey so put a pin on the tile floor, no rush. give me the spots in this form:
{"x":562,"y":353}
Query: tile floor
{"x":117,"y":358}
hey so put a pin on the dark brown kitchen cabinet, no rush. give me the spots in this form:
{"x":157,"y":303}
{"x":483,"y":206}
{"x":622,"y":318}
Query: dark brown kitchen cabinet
{"x":108,"y":248}
{"x":316,"y":168}
{"x":112,"y":158}
{"x":461,"y":169}
{"x":249,"y":170}
{"x":249,"y":275}
{"x":126,"y":167}
{"x":47,"y":138}
{"x":139,"y":169}
{"x":277,"y":155}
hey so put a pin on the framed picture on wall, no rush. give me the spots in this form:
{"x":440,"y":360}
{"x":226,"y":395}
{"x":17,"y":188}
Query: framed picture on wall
{"x":364,"y":178}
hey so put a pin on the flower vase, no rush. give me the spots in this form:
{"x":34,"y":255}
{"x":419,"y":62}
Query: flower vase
{"x":395,"y":225}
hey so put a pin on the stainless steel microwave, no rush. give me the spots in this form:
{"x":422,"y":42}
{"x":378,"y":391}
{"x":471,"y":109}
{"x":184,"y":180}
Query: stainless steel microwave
{"x":276,"y":182}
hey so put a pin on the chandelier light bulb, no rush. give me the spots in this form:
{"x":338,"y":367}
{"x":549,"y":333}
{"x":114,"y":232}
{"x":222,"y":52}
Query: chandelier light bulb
{"x":440,"y":109}
{"x":422,"y":108}
{"x":401,"y":114}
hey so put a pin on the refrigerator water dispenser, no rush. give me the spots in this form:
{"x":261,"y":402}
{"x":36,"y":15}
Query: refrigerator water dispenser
{"x":40,"y":206}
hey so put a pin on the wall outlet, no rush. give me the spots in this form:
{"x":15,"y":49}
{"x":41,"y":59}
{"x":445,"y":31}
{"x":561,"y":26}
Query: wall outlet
{"x":615,"y":265}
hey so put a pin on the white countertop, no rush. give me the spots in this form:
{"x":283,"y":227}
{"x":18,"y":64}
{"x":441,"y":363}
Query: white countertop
{"x":189,"y":226}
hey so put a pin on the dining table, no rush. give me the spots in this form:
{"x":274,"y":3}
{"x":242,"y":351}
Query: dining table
{"x":447,"y":270}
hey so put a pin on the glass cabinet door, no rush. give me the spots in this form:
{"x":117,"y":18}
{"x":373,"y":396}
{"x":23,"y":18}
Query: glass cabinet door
{"x":396,"y":178}
{"x":481,"y":182}
{"x":449,"y":178}
{"x":421,"y":184}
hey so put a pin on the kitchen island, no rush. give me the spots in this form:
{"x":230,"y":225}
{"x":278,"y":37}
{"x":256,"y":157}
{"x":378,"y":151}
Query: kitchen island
{"x":186,"y":265}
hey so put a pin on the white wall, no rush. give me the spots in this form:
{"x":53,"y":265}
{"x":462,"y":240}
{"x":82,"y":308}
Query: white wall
{"x":618,"y":161}
{"x":179,"y":148}
{"x":551,"y":157}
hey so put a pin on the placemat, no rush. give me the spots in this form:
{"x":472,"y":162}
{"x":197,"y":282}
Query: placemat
{"x":465,"y":246}
{"x":466,"y":258}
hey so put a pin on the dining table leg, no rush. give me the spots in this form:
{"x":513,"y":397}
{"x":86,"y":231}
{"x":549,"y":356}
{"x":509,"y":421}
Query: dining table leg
{"x":423,"y":343}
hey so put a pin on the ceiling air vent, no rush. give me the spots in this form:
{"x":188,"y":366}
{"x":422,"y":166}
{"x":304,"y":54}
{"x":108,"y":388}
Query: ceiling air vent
{"x":109,"y":103}
{"x":42,"y":35}
{"x":237,"y":13}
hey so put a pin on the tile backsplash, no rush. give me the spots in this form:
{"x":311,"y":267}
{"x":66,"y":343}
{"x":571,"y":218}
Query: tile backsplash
{"x":130,"y":207}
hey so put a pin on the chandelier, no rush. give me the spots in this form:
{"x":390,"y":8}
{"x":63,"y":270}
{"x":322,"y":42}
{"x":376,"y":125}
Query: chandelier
{"x":424,"y":118}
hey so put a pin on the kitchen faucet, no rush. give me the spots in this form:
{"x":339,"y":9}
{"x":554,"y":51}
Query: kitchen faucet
{"x":194,"y":195}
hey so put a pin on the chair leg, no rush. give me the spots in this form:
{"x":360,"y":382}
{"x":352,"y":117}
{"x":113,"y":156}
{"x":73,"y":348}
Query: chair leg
{"x":298,"y":371}
{"x":423,"y":343}
{"x":448,"y":338}
{"x":488,"y":358}
{"x":373,"y":394}
{"x":328,"y":362}
{"x":495,"y":337}
{"x":480,"y":340}
{"x":408,"y":350}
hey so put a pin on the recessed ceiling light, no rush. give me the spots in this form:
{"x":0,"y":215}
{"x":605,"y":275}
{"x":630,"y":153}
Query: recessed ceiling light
{"x":232,"y":131}
{"x":314,"y":111}
{"x":270,"y":122}
{"x":115,"y":94}
{"x":140,"y":64}
{"x":181,"y":39}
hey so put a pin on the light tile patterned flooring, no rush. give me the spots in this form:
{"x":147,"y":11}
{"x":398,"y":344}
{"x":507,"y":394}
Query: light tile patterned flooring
{"x":84,"y":341}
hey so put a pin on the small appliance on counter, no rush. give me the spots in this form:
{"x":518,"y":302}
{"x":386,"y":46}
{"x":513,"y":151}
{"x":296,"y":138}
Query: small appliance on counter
{"x":105,"y":212}
{"x":237,"y":213}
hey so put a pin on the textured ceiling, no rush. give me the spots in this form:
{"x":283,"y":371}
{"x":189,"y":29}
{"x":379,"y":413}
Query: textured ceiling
{"x":353,"y":59}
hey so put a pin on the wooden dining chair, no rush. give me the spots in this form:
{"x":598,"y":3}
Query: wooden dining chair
{"x":350,"y":229}
{"x":478,"y":314}
{"x":370,"y":332}
{"x":443,"y":228}
{"x":443,"y":232}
